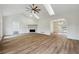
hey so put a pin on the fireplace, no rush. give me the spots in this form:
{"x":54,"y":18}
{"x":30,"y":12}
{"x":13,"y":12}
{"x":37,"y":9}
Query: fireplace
{"x":32,"y":30}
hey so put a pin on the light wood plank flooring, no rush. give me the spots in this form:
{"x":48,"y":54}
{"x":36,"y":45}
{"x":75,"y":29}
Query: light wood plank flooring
{"x":40,"y":44}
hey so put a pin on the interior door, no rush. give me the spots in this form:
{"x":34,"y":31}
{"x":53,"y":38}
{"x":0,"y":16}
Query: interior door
{"x":59,"y":26}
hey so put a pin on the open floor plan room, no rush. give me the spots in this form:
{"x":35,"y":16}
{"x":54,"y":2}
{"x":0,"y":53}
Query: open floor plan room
{"x":39,"y":29}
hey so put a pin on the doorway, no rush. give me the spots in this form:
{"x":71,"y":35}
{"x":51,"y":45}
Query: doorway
{"x":59,"y":26}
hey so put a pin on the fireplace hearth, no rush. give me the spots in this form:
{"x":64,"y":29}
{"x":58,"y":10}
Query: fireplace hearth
{"x":32,"y":30}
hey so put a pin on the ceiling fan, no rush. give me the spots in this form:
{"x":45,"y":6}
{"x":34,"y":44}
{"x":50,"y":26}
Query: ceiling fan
{"x":33,"y":9}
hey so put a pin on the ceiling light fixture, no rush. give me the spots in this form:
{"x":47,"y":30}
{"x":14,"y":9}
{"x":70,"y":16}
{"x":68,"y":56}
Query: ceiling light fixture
{"x":34,"y":9}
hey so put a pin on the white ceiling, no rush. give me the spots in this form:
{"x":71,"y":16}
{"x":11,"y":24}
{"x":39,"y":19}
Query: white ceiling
{"x":60,"y":10}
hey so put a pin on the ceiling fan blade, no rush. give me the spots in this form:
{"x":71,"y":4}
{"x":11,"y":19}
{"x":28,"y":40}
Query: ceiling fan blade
{"x":30,"y":6}
{"x":27,"y":8}
{"x":35,"y":7}
{"x":33,"y":4}
{"x":37,"y":11}
{"x":36,"y":16}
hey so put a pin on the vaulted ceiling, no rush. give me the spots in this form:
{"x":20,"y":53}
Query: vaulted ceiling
{"x":61,"y":10}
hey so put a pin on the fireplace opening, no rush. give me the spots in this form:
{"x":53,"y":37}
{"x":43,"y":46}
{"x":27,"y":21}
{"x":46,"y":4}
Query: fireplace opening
{"x":32,"y":30}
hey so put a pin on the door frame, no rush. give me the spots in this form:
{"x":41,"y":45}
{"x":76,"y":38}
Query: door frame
{"x":56,"y":20}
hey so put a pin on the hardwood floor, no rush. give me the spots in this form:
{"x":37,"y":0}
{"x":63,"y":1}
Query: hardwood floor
{"x":40,"y":44}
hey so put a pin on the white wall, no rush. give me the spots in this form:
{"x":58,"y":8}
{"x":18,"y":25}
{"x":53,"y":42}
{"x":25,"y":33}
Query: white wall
{"x":43,"y":24}
{"x":1,"y":27}
{"x":73,"y":26}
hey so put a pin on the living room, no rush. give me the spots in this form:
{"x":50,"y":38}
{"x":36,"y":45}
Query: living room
{"x":42,"y":21}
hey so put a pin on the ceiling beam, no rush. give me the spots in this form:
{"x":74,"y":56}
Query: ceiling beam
{"x":49,"y":9}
